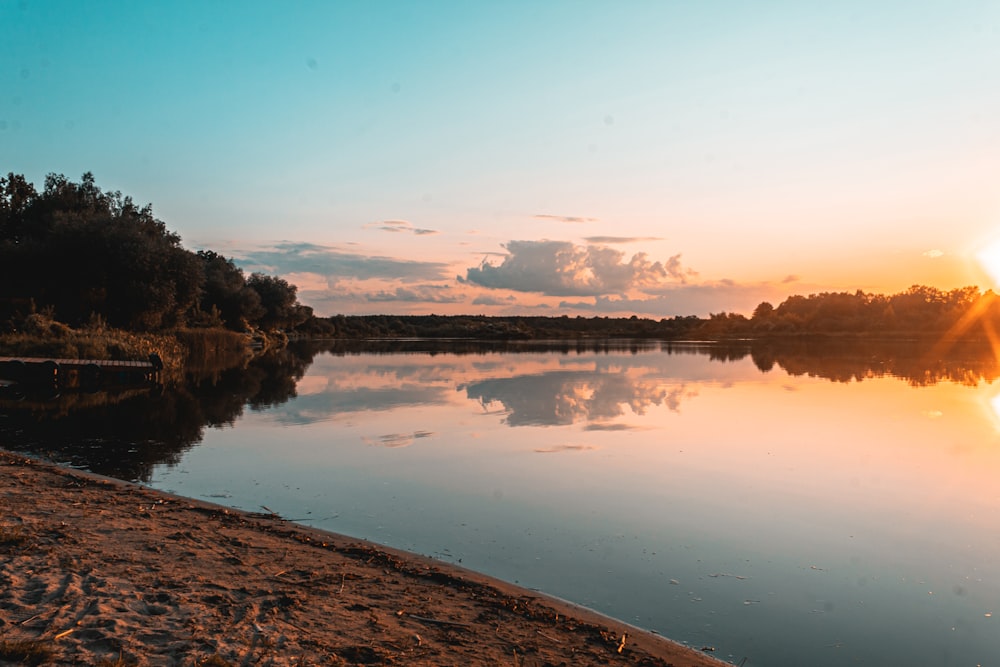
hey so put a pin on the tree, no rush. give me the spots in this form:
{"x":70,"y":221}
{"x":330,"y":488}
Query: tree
{"x":277,"y":297}
{"x":78,"y":251}
{"x":82,"y":251}
{"x":763,"y":311}
{"x":225,"y":288}
{"x":16,"y":195}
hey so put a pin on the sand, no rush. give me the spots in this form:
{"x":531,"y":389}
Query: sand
{"x":96,"y":571}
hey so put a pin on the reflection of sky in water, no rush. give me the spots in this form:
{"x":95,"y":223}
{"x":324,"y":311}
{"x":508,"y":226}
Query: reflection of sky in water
{"x":565,"y":397}
{"x":790,"y":520}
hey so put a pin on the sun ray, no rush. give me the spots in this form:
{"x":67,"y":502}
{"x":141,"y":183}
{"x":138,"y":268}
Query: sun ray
{"x":992,"y":336}
{"x":976,"y":314}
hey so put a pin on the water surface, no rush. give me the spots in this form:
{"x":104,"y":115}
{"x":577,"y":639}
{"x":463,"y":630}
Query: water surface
{"x":785,"y":506}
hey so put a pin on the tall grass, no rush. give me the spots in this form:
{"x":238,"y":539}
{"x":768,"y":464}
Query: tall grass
{"x":208,"y":351}
{"x":182,"y":351}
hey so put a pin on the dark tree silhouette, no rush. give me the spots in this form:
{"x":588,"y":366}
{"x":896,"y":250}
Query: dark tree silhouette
{"x":81,"y":251}
{"x":277,"y":297}
{"x":920,"y":310}
{"x":226,"y":290}
{"x":76,"y":251}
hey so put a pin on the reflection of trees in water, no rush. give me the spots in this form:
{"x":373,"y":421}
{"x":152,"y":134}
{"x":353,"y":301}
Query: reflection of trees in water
{"x":565,"y":397}
{"x":124,"y":436}
{"x":599,"y":397}
{"x":118,"y":438}
{"x":920,"y":363}
{"x":391,"y":346}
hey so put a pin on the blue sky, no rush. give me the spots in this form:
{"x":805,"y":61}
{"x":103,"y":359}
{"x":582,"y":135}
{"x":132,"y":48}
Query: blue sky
{"x":657,"y":158}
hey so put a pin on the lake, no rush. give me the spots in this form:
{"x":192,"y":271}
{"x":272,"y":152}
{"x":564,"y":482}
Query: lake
{"x":821,"y":504}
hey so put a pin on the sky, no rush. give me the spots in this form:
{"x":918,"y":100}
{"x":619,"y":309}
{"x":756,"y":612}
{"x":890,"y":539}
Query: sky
{"x":544,"y":157}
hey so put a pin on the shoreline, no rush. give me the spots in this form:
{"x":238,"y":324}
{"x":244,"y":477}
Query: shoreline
{"x":96,"y":569}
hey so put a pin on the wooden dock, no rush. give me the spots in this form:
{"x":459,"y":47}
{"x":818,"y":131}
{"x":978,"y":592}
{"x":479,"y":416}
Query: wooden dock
{"x":84,"y":374}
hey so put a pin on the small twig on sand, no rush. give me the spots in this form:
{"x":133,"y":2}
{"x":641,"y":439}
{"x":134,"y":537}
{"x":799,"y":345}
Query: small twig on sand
{"x":439,"y":622}
{"x":64,"y":633}
{"x":551,"y":639}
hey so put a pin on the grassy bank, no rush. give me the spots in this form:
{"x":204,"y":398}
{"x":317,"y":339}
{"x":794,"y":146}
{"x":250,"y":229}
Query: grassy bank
{"x":183,"y":351}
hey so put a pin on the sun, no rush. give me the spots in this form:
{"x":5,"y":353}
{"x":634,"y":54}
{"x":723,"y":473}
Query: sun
{"x":982,"y":314}
{"x":989,"y":259}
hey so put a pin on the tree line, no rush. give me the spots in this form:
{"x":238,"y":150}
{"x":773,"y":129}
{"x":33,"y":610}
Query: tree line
{"x":917,"y":311}
{"x":508,"y":327}
{"x":81,"y":254}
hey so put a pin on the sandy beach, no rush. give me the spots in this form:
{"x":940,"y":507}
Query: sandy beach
{"x":96,"y":571}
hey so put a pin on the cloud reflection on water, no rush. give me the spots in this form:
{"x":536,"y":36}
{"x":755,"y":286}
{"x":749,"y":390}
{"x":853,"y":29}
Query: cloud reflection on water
{"x":561,"y":398}
{"x":337,"y":400}
{"x":599,"y":390}
{"x":393,"y":440}
{"x":564,"y":448}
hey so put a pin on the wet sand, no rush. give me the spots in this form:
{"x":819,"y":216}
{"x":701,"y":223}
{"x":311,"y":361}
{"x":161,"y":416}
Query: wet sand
{"x":93,"y":569}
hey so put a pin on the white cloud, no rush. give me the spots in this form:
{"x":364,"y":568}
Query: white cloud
{"x":564,"y":218}
{"x":300,"y":258}
{"x":399,"y":226}
{"x":489,"y":300}
{"x":685,"y":299}
{"x":419,"y":294}
{"x":609,"y":240}
{"x":560,"y":268}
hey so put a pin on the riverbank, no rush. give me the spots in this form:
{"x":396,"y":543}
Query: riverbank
{"x":96,"y":571}
{"x":182,"y":352}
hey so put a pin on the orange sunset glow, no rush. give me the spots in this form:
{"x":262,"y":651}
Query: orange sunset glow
{"x":656,"y":159}
{"x":451,"y":332}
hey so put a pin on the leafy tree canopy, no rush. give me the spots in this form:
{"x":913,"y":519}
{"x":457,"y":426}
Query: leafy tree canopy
{"x":81,"y":252}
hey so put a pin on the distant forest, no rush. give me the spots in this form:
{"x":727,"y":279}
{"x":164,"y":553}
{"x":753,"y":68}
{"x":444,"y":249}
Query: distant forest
{"x":920,"y":311}
{"x":82,"y":256}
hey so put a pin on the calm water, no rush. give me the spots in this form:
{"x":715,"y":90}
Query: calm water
{"x":841,"y":507}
